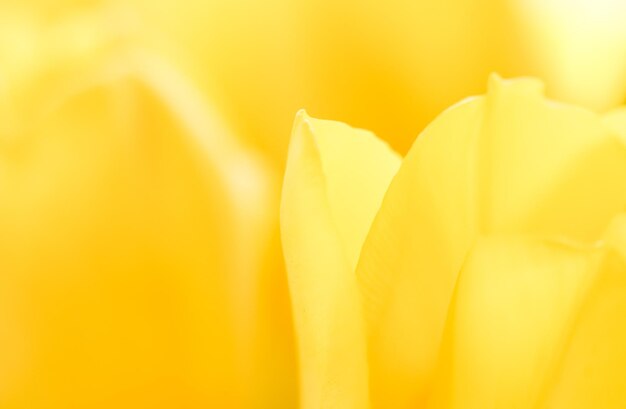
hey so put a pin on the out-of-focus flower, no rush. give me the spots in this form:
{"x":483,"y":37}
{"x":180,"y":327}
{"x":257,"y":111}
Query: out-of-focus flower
{"x":470,"y":274}
{"x":388,"y":66}
{"x":133,"y":229}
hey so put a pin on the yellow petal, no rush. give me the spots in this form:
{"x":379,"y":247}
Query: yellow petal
{"x":514,"y":305}
{"x":508,"y":162}
{"x":119,"y":236}
{"x":334,"y":182}
{"x":591,"y":373}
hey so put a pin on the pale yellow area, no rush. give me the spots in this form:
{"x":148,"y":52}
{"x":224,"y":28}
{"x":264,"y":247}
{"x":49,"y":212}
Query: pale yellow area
{"x":616,"y":121}
{"x":578,"y":47}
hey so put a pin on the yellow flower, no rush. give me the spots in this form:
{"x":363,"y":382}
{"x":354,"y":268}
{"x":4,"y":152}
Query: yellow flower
{"x":130,"y":250}
{"x":470,"y":274}
{"x":108,"y":239}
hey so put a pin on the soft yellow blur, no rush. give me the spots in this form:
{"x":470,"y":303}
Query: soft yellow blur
{"x":139,"y":251}
{"x":387,"y":66}
{"x":134,"y":231}
{"x":481,"y":262}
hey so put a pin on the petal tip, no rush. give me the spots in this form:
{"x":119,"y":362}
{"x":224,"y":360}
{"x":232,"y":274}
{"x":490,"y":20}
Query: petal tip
{"x":302,"y":122}
{"x":302,"y":115}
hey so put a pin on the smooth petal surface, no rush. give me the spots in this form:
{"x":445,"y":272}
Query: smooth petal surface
{"x":507,"y":163}
{"x":514,"y":306}
{"x":592,"y":366}
{"x":335,"y":179}
{"x":119,"y":239}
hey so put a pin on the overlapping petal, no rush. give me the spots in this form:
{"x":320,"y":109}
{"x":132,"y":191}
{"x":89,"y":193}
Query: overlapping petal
{"x":509,"y":162}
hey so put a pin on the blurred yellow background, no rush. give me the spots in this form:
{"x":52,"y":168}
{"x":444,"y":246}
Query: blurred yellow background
{"x":141,"y":149}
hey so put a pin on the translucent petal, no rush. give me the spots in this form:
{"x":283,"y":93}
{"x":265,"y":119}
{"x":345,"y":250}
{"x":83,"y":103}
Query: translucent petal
{"x":335,"y":179}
